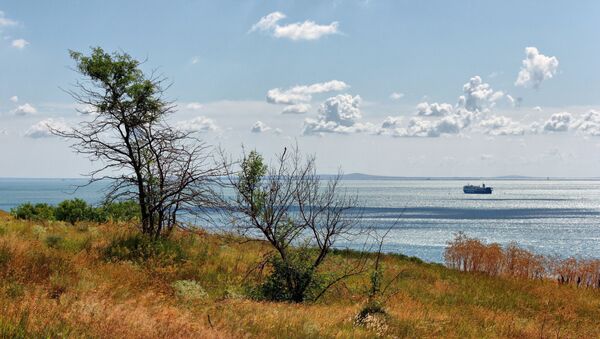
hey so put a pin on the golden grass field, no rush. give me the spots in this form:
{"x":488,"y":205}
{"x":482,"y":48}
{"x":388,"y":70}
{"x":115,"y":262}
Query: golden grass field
{"x":55,"y":282}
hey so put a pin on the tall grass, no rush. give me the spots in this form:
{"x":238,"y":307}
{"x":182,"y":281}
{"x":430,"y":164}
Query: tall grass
{"x":472,"y":255}
{"x":97,"y":282}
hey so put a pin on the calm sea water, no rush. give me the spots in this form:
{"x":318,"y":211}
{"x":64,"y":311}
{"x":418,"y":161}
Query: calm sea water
{"x":549,"y":217}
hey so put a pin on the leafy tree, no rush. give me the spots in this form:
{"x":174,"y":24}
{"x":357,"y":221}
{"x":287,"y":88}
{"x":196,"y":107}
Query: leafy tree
{"x":73,"y":211}
{"x":300,"y":216}
{"x":126,"y":132}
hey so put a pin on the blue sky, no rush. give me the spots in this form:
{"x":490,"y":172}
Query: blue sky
{"x":233,"y":82}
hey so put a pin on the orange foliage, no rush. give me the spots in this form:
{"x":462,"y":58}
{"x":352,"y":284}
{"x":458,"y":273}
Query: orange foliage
{"x":472,"y":255}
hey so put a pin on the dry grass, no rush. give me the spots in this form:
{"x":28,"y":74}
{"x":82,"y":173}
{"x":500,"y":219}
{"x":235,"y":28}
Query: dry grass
{"x":65,"y":288}
{"x":472,"y":255}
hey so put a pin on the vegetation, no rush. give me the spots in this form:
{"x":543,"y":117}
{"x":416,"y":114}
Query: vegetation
{"x":76,"y":210}
{"x":74,"y":287}
{"x":469,"y":254}
{"x":164,"y":169}
{"x":301,"y":218}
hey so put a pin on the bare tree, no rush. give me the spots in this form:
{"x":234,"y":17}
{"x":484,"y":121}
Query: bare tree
{"x":126,"y":132}
{"x":301,"y":215}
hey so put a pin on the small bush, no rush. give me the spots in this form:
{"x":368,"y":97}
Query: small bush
{"x":370,"y":308}
{"x":140,"y":248}
{"x":74,"y":210}
{"x":121,"y":211}
{"x":37,"y":212}
{"x":373,"y":317}
{"x":189,"y":290}
{"x":297,"y":270}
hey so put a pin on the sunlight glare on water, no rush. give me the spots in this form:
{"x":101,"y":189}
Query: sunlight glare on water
{"x":548,"y":217}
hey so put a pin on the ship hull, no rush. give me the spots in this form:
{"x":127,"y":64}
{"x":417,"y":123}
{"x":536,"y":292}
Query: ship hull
{"x":478,"y":190}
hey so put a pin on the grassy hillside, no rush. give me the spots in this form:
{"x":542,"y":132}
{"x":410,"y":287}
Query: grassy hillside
{"x":61,"y":280}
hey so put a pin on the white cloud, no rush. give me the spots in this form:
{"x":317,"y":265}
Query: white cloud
{"x":259,"y":127}
{"x":338,"y":114}
{"x":296,"y":109}
{"x":588,"y":124}
{"x":307,"y":30}
{"x":396,"y":95}
{"x":20,"y":43}
{"x":4,"y":21}
{"x":198,"y":124}
{"x":25,"y":109}
{"x":268,"y":22}
{"x":194,"y":106}
{"x":342,"y":109}
{"x":558,"y":122}
{"x":478,"y":95}
{"x":418,"y":127}
{"x":195,"y":60}
{"x":536,"y":68}
{"x":298,"y":97}
{"x":501,"y":125}
{"x":303,"y":93}
{"x":43,"y":128}
{"x":14,"y":98}
{"x":286,"y":97}
{"x":434,"y":109}
{"x":537,"y":109}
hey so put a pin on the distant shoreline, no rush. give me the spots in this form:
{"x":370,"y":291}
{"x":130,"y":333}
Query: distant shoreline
{"x":361,"y":176}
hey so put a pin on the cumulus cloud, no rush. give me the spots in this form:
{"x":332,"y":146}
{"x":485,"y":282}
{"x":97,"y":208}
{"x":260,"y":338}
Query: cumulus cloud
{"x":434,"y":109}
{"x":307,"y":30}
{"x":478,"y":95}
{"x":501,"y":125}
{"x":296,"y":109}
{"x":43,"y":128}
{"x":588,"y":124}
{"x":259,"y":127}
{"x":198,"y":124}
{"x":537,"y":109}
{"x":19,"y":43}
{"x":418,"y":127}
{"x":396,"y":95}
{"x":338,"y":114}
{"x":558,"y":122}
{"x":342,"y":109}
{"x":536,"y":68}
{"x":14,"y":98}
{"x":25,"y":109}
{"x":298,"y":97}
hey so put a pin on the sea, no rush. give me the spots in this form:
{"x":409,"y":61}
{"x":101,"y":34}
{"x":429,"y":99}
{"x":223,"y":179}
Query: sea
{"x":551,"y":217}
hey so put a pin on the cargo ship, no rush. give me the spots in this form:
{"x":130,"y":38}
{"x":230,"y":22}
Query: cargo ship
{"x":472,"y":189}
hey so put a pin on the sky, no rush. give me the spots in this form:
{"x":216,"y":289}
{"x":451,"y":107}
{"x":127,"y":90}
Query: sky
{"x":403,"y":88}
